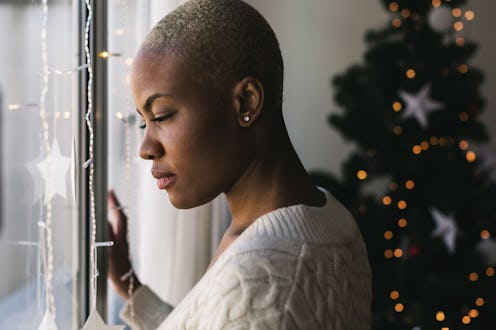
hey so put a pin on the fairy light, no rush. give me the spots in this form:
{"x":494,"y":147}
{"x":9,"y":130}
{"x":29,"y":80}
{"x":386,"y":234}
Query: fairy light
{"x":466,"y":319}
{"x":469,"y":15}
{"x":402,"y":205}
{"x":479,"y":302}
{"x":386,"y":200}
{"x":473,"y":313}
{"x":417,"y":149}
{"x":399,"y":307}
{"x":393,"y":6}
{"x":397,"y":107}
{"x":434,"y":140}
{"x":463,"y":145}
{"x":393,"y":186}
{"x":445,"y":328}
{"x":458,"y":26}
{"x":410,"y":184}
{"x":457,"y":12}
{"x":396,"y":23}
{"x":67,"y":115}
{"x":405,"y":13}
{"x":394,"y":295}
{"x":89,"y":124}
{"x":388,"y":253}
{"x":13,"y":106}
{"x":46,"y":227}
{"x":473,"y":276}
{"x":463,"y":116}
{"x":490,"y":272}
{"x":463,"y":68}
{"x":436,"y":3}
{"x":397,"y":130}
{"x":440,"y":316}
{"x":410,"y":73}
{"x":460,"y":41}
{"x":362,"y":175}
{"x":398,"y":253}
{"x":485,"y":234}
{"x":424,"y":145}
{"x":388,"y":235}
{"x":471,"y":157}
{"x":402,"y":223}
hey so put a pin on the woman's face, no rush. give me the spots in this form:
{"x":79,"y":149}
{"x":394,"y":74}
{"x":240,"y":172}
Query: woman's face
{"x":191,"y":133}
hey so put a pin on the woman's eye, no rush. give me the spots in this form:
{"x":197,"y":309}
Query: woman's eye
{"x":162,"y":118}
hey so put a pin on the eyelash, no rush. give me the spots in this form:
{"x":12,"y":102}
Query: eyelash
{"x":157,"y":119}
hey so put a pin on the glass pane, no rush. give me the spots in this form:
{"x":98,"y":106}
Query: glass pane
{"x":38,"y":116}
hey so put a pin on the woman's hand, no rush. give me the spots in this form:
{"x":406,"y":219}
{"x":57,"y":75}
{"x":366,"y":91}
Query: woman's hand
{"x":120,"y":268}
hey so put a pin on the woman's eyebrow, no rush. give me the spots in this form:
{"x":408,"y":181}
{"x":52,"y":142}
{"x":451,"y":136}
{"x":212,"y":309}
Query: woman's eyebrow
{"x":150,"y":100}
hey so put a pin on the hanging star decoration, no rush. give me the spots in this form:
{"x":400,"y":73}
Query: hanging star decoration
{"x":487,"y":248}
{"x":95,"y":322}
{"x":446,"y":228}
{"x":419,"y":105}
{"x":48,"y":322}
{"x":60,"y":166}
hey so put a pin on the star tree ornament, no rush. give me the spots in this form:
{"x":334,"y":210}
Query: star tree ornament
{"x":95,"y":322}
{"x":60,"y":165}
{"x":419,"y":105}
{"x":446,"y":228}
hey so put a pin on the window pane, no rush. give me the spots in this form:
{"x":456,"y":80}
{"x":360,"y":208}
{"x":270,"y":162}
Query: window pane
{"x":38,"y":116}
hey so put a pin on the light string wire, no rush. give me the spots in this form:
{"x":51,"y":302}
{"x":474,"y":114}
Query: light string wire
{"x":48,"y":248}
{"x":90,"y":162}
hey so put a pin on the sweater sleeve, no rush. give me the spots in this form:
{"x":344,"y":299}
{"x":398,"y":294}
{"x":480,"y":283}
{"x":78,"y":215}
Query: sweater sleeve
{"x":145,"y":310}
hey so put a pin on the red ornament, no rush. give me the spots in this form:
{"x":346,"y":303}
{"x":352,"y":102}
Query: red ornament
{"x":413,"y":251}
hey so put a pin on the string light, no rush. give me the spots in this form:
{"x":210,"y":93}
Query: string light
{"x":393,"y":6}
{"x":436,"y":3}
{"x":410,"y":73}
{"x":458,"y":26}
{"x":405,"y":13}
{"x":50,"y":299}
{"x":399,"y":307}
{"x":463,"y":116}
{"x":457,"y":12}
{"x":485,"y":234}
{"x":362,"y":175}
{"x":386,"y":200}
{"x":479,"y":302}
{"x":473,"y":276}
{"x":397,"y":23}
{"x":397,"y":107}
{"x":445,"y":328}
{"x":473,"y":313}
{"x":469,"y":15}
{"x":410,"y":184}
{"x":440,"y":316}
{"x":388,"y":253}
{"x":490,"y":272}
{"x":67,"y":114}
{"x":434,"y":140}
{"x":463,"y":145}
{"x":398,"y":253}
{"x":424,"y":145}
{"x":402,"y":223}
{"x":471,"y":156}
{"x":397,"y":130}
{"x":460,"y":41}
{"x":417,"y":149}
{"x":402,"y":205}
{"x":463,"y":68}
{"x":388,"y":235}
{"x":466,"y":319}
{"x":394,"y":295}
{"x":13,"y":106}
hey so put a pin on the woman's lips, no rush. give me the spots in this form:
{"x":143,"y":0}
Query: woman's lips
{"x":166,"y":181}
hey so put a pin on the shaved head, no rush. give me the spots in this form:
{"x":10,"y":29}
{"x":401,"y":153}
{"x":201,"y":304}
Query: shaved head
{"x":224,"y":41}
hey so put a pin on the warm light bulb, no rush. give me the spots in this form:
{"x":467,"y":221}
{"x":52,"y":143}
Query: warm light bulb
{"x":457,"y":12}
{"x":397,"y":106}
{"x":362,"y":175}
{"x":67,"y":114}
{"x":405,"y":13}
{"x":402,"y":205}
{"x":410,"y":184}
{"x":398,"y":253}
{"x":463,"y":145}
{"x":469,"y":15}
{"x":386,"y":200}
{"x":479,"y":302}
{"x":397,"y":130}
{"x":410,"y":73}
{"x":466,"y":319}
{"x":388,"y":235}
{"x":399,"y":307}
{"x":434,"y":140}
{"x":417,"y":149}
{"x":471,"y":156}
{"x":393,"y":6}
{"x":485,"y":234}
{"x":120,"y":115}
{"x":103,"y":54}
{"x":473,"y":313}
{"x":440,"y":316}
{"x":13,"y":106}
{"x":402,"y":223}
{"x":394,"y":295}
{"x":436,"y":3}
{"x":396,"y":22}
{"x":490,"y":272}
{"x":388,"y":253}
{"x":458,"y":26}
{"x":473,"y":276}
{"x":460,"y":41}
{"x":424,"y":145}
{"x":463,"y":68}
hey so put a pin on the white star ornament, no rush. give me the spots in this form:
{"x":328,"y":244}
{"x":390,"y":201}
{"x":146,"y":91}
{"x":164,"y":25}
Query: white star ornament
{"x":446,"y":228}
{"x":419,"y":105}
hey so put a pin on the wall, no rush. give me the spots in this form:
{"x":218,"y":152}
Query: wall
{"x":321,"y":38}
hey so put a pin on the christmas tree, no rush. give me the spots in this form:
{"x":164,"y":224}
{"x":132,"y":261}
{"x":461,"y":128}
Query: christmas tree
{"x":421,"y":182}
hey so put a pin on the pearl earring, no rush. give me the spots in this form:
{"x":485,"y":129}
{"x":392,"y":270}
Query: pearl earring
{"x":246,"y":119}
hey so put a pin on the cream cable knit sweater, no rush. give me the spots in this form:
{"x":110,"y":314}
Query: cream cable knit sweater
{"x":297,"y":267}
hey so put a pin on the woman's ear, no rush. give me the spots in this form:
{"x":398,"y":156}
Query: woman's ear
{"x":249,"y":94}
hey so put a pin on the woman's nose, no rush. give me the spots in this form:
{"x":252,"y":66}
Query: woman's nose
{"x":150,"y":148}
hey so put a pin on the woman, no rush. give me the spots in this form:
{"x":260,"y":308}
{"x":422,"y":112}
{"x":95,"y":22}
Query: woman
{"x":208,"y":84}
